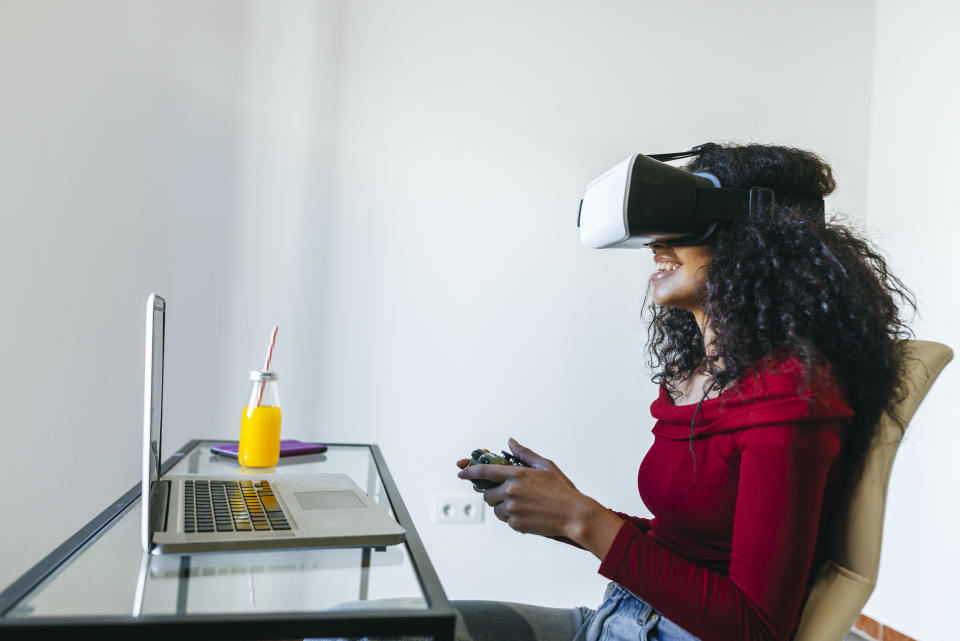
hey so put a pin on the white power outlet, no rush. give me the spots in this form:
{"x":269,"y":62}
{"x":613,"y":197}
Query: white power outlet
{"x":458,"y":509}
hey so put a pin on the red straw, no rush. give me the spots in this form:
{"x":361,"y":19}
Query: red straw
{"x":273,"y":341}
{"x":266,"y":364}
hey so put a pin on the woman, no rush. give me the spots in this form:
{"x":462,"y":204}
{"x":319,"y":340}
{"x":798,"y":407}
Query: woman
{"x":776,"y":347}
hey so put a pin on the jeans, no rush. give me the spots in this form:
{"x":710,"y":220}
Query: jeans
{"x":621,"y":617}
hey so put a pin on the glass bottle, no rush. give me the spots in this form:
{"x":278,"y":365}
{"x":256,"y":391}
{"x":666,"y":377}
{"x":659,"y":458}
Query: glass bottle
{"x":260,"y":424}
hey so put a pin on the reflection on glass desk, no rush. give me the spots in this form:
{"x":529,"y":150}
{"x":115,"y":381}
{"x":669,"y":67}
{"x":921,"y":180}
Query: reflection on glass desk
{"x":100,"y":579}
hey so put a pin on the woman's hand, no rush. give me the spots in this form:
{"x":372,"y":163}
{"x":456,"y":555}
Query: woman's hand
{"x":538,"y":499}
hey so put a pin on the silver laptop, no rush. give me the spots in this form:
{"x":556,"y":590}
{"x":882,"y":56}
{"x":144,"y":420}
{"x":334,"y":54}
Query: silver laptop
{"x":186,"y":513}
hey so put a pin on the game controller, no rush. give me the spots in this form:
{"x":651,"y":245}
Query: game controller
{"x":486,"y":457}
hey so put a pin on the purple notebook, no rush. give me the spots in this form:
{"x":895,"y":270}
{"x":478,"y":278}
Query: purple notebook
{"x":288,"y":447}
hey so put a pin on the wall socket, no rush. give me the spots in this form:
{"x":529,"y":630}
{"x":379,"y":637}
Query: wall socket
{"x":458,"y":509}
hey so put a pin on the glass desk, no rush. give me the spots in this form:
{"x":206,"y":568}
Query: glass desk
{"x":100,"y":581}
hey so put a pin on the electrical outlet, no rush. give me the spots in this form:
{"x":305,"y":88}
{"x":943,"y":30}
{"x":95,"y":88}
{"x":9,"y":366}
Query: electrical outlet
{"x":458,"y":509}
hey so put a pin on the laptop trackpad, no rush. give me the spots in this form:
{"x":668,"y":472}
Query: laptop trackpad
{"x":328,"y":499}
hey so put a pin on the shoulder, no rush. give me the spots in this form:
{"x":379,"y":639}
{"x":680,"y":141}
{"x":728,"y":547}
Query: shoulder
{"x":786,"y":375}
{"x":792,"y":441}
{"x":789,"y":414}
{"x":784,"y":389}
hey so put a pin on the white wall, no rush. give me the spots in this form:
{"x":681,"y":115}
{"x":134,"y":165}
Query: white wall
{"x":396,"y":186}
{"x":175,"y":147}
{"x":118,"y":139}
{"x":914,"y":212}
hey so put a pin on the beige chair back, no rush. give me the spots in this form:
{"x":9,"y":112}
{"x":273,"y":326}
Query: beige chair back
{"x":853,"y":551}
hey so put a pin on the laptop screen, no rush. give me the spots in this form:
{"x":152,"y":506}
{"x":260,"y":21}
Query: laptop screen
{"x":152,"y":415}
{"x":156,"y":390}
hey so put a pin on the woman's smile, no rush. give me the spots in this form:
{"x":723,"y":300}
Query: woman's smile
{"x":665,"y":267}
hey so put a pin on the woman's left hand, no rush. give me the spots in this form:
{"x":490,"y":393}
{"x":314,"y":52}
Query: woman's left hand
{"x":538,"y":499}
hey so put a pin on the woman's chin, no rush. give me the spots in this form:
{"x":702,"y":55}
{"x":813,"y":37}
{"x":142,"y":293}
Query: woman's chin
{"x":670,"y":299}
{"x":661,"y":295}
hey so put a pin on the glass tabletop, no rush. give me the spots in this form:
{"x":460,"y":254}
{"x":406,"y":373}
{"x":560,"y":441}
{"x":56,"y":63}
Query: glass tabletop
{"x":108,"y":575}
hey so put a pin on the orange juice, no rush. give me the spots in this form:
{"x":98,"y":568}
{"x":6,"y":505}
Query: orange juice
{"x":259,"y":437}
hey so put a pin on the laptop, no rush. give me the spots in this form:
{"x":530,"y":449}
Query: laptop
{"x":187,"y":513}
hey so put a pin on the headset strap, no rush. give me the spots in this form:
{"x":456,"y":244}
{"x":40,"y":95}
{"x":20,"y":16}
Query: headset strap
{"x":695,"y":151}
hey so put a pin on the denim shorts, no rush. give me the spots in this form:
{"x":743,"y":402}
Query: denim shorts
{"x":624,"y":616}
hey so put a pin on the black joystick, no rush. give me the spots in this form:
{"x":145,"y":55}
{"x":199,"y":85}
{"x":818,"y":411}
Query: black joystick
{"x":486,"y":457}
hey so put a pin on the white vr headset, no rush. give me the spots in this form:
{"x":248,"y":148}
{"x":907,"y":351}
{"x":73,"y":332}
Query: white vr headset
{"x":644,"y":200}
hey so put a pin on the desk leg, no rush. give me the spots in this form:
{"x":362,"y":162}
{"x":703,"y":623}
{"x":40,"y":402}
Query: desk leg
{"x":373,"y":475}
{"x":141,"y":585}
{"x":182,"y":584}
{"x":364,"y":573}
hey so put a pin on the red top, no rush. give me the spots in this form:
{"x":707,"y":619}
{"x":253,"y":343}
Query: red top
{"x":728,"y":553}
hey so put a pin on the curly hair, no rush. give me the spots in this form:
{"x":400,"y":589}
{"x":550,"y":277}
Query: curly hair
{"x":785,"y":281}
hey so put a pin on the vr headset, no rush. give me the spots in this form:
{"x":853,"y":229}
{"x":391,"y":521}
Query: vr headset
{"x":644,"y":200}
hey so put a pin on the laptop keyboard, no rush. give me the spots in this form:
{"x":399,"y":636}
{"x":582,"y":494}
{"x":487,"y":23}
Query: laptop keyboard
{"x":231,"y":506}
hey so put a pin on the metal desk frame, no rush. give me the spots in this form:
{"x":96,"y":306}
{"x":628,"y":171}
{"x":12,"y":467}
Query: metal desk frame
{"x":436,"y":622}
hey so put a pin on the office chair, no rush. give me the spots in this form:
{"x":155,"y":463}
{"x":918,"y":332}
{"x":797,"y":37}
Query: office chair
{"x":853,"y":549}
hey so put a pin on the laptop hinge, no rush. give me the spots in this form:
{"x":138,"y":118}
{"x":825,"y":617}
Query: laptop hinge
{"x":159,"y":503}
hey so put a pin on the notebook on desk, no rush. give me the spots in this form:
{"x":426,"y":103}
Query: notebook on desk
{"x":186,"y":513}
